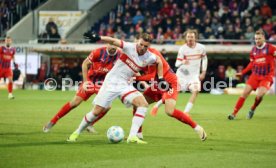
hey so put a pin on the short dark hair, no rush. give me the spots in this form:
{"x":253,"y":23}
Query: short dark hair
{"x":146,"y":37}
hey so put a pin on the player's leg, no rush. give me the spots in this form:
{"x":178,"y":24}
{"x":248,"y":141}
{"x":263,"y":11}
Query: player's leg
{"x":152,"y":94}
{"x":183,"y":117}
{"x":262,"y":90}
{"x":251,"y":85}
{"x":91,"y":128}
{"x":194,"y":87}
{"x":10,"y":86}
{"x":139,"y":101}
{"x":86,"y":121}
{"x":102,"y":103}
{"x":191,"y":101}
{"x":65,"y":109}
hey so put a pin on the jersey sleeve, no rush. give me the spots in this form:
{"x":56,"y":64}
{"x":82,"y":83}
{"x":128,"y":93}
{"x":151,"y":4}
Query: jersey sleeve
{"x":153,"y":59}
{"x":180,"y":57}
{"x":273,"y":50}
{"x":94,"y":55}
{"x":127,"y":47}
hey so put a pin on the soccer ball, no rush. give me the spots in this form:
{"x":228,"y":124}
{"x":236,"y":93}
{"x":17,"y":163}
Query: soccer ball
{"x":115,"y":134}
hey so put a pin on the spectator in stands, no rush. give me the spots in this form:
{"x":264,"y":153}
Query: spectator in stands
{"x":16,"y":72}
{"x":266,"y":11}
{"x":268,"y":27}
{"x":4,"y":15}
{"x":199,"y":14}
{"x":249,"y":34}
{"x":51,"y":24}
{"x":54,"y":36}
{"x":220,"y":74}
{"x":230,"y":76}
{"x":42,"y":73}
{"x":138,"y":17}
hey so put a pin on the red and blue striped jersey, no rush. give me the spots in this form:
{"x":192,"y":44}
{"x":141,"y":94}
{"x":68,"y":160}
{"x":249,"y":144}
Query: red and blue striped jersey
{"x":102,"y":63}
{"x":6,"y":55}
{"x":263,"y":60}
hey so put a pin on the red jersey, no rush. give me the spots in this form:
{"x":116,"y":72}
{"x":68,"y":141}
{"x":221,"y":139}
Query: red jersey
{"x":102,"y":63}
{"x":262,"y":60}
{"x":6,"y":55}
{"x":152,"y":70}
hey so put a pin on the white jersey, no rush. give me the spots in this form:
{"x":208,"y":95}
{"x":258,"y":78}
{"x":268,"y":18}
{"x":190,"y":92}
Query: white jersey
{"x":116,"y":83}
{"x":129,"y":63}
{"x":193,"y":56}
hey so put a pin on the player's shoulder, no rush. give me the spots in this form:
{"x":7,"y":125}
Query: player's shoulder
{"x":199,"y":45}
{"x":154,"y":52}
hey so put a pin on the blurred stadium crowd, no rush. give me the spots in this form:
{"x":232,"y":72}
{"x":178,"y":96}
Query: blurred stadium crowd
{"x":167,"y":20}
{"x":11,"y":11}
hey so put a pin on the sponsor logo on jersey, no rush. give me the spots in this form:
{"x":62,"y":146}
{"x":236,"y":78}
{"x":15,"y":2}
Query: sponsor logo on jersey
{"x":260,"y":60}
{"x":132,"y":65}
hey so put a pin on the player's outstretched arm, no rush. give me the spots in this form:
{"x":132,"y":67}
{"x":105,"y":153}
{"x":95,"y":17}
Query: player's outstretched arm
{"x":203,"y":68}
{"x":94,"y":37}
{"x":84,"y":67}
{"x":248,"y":68}
{"x":160,"y":71}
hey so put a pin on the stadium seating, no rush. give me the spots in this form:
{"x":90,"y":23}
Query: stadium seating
{"x":11,"y":11}
{"x":166,"y":21}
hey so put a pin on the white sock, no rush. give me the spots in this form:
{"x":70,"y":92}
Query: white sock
{"x":188,"y":107}
{"x":159,"y":103}
{"x":197,"y":128}
{"x":86,"y":121}
{"x":137,"y":120}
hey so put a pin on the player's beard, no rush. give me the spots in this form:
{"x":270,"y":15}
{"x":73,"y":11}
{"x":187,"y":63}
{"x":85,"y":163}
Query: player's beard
{"x":8,"y":45}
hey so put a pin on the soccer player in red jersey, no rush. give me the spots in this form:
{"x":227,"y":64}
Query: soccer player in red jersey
{"x":101,"y":61}
{"x":154,"y":94}
{"x":6,"y":56}
{"x":262,"y":66}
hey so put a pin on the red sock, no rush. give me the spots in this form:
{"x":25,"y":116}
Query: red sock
{"x":10,"y":87}
{"x":256,"y":103}
{"x":99,"y":117}
{"x":179,"y":115}
{"x":238,"y":106}
{"x":62,"y":112}
{"x":133,"y":112}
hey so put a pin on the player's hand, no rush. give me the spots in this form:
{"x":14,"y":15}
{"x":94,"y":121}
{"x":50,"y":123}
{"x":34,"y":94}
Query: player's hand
{"x":87,"y":86}
{"x":163,"y":85}
{"x":201,"y":77}
{"x":132,"y":79}
{"x":92,"y":36}
{"x":239,"y":74}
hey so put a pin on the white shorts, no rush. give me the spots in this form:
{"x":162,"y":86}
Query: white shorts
{"x":189,"y":83}
{"x":105,"y":96}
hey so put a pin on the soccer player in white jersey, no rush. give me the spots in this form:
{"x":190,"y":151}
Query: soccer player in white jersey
{"x":135,"y":57}
{"x":191,"y":59}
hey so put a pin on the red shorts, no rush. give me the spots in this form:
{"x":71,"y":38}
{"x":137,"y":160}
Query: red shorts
{"x":258,"y":81}
{"x":85,"y":95}
{"x":6,"y":73}
{"x":155,"y":94}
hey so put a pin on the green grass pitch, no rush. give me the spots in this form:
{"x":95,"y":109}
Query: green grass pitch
{"x":238,"y":143}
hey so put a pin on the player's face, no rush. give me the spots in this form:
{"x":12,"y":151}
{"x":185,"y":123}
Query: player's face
{"x":259,"y":40}
{"x":190,"y":38}
{"x":112,"y":50}
{"x":142,"y":46}
{"x":8,"y":41}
